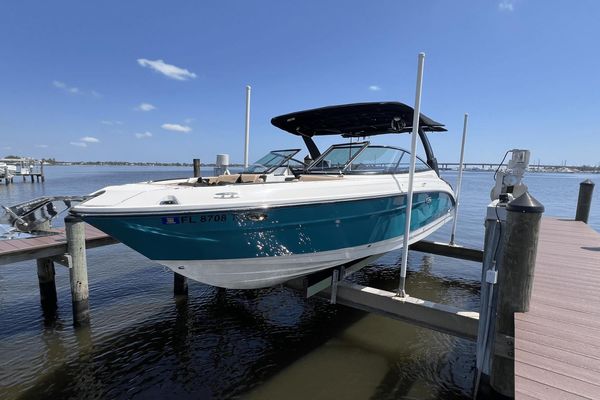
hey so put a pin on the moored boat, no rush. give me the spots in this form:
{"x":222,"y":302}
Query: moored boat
{"x":281,"y":218}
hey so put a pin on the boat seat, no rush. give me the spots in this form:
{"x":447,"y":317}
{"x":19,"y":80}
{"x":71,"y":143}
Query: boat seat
{"x":314,"y":178}
{"x":251,"y":178}
{"x":222,"y":179}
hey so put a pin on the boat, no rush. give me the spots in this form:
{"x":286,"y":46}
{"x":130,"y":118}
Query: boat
{"x":283,"y":218}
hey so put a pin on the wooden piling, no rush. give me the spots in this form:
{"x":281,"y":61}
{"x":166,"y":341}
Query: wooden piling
{"x":584,"y":201}
{"x":196,"y":167}
{"x":75,"y":231}
{"x":41,"y":175}
{"x":516,"y":264}
{"x":46,"y":273}
{"x":180,"y":285}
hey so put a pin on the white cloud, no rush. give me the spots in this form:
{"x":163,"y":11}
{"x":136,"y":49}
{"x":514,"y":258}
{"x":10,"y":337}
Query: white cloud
{"x":6,"y":148}
{"x":145,"y":107}
{"x":90,"y":139}
{"x":110,"y":123}
{"x":41,"y":146}
{"x":168,"y":70}
{"x":72,"y":89}
{"x":176,"y":128}
{"x":143,"y":135}
{"x":189,"y":120}
{"x":374,"y":88}
{"x":66,"y":88}
{"x":506,"y":5}
{"x":78,"y":144}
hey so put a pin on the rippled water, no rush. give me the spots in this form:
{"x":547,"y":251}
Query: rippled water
{"x":258,"y":344}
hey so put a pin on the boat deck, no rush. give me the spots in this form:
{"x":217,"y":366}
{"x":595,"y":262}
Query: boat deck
{"x":557,"y":343}
{"x":16,"y":250}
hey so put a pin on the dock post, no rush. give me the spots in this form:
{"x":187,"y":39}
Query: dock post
{"x":516,"y":266}
{"x":196,"y":167}
{"x":41,"y":175}
{"x":180,"y":285}
{"x":75,"y":230}
{"x":584,"y":201}
{"x":45,"y":272}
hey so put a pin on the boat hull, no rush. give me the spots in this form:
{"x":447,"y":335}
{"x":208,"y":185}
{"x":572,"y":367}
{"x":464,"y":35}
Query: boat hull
{"x":263,"y":247}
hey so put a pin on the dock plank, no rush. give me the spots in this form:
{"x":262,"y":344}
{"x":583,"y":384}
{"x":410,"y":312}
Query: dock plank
{"x":557,"y":343}
{"x":16,"y":250}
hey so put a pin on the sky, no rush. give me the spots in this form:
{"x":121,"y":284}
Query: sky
{"x":165,"y":81}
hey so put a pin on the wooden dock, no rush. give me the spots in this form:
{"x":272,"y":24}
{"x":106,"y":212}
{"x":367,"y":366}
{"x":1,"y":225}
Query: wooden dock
{"x":15,"y":250}
{"x":557,"y":343}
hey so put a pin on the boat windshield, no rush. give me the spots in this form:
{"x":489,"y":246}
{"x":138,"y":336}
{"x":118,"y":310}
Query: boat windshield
{"x":270,"y":162}
{"x":362,"y":158}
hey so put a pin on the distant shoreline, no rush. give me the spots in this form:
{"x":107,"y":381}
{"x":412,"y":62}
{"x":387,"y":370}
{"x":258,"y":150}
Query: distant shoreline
{"x":129,"y":164}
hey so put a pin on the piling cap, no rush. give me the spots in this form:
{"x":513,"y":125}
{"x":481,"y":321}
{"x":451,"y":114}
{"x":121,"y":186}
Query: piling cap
{"x":587,"y":182}
{"x":525,"y":203}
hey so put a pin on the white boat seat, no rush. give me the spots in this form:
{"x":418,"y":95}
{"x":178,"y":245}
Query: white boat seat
{"x":312,"y":178}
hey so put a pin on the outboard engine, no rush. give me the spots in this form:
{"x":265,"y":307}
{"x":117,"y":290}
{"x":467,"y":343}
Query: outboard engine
{"x":509,"y":179}
{"x":35,"y":215}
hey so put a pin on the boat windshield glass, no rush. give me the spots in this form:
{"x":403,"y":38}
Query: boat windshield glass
{"x":362,"y":158}
{"x":337,"y":157}
{"x":270,"y":162}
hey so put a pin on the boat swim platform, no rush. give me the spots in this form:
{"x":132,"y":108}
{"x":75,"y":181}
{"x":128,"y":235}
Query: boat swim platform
{"x":556,"y":343}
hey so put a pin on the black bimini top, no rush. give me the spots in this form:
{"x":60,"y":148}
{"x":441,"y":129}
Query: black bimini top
{"x":355,"y":120}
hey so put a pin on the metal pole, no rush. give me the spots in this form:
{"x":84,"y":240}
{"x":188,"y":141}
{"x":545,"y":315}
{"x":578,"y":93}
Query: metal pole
{"x":460,"y":175}
{"x":411,"y":174}
{"x":584,"y":201}
{"x":248,"y":90}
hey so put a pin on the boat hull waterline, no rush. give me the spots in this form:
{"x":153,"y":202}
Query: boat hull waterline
{"x":262,"y":247}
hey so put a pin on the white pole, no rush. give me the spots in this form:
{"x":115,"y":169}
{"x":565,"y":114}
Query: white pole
{"x":248,"y":89}
{"x":460,"y":175}
{"x":411,"y":174}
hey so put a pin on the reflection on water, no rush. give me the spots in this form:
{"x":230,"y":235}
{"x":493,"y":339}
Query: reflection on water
{"x":257,"y":344}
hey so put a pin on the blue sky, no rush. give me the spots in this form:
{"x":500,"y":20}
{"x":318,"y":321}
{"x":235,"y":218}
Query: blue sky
{"x":82,"y":80}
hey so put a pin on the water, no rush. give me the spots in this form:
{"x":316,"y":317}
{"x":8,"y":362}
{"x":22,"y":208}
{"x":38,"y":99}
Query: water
{"x":259,"y":344}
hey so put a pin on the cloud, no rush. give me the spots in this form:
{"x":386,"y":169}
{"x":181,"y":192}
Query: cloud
{"x":168,"y":70}
{"x":90,"y":139}
{"x":110,"y":123}
{"x":72,"y":89}
{"x":189,"y":120}
{"x":145,"y":107}
{"x":143,"y":135}
{"x":506,"y":5}
{"x":66,"y":88}
{"x":374,"y":88}
{"x":176,"y":128}
{"x":41,"y":146}
{"x":78,"y":144}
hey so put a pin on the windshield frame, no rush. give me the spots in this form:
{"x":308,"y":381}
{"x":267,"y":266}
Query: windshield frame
{"x":363,"y":146}
{"x":270,"y":169}
{"x":366,"y":145}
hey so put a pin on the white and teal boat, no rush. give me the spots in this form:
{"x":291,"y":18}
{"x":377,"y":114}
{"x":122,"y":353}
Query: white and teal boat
{"x":280,"y":218}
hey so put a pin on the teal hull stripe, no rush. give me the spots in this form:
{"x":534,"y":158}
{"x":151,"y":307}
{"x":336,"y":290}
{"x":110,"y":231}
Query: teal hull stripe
{"x":271,"y":232}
